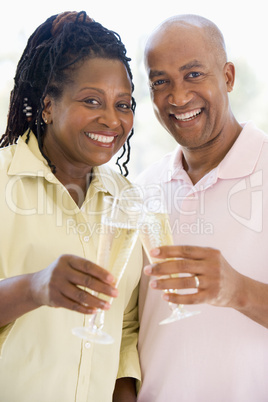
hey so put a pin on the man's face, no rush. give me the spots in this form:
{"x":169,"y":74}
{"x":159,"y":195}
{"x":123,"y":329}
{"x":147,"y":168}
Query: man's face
{"x":189,"y":85}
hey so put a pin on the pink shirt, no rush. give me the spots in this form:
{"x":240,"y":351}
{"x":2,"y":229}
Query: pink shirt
{"x":219,"y":355}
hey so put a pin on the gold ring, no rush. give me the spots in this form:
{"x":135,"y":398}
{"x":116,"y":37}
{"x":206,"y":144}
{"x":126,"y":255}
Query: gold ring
{"x":196,"y":281}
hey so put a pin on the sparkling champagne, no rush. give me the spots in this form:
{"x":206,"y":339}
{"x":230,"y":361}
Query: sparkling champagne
{"x":115,"y":247}
{"x":155,"y":232}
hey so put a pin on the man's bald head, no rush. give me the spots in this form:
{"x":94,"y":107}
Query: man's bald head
{"x":210,"y":32}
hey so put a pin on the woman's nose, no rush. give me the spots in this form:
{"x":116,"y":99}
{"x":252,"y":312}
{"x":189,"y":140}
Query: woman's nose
{"x":109,"y":117}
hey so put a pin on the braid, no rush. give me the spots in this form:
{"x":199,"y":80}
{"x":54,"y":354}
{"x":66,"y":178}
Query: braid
{"x":45,"y":66}
{"x":17,"y":124}
{"x":128,"y":147}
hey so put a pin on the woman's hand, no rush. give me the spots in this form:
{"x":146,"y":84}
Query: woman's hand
{"x":63,"y":283}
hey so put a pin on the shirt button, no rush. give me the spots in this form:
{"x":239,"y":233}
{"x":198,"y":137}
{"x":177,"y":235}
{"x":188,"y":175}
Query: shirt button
{"x":86,"y":238}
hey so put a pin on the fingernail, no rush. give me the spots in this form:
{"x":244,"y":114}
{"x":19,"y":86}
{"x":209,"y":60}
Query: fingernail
{"x":153,"y":284}
{"x":147,"y":269}
{"x":110,"y":278}
{"x":165,"y":297}
{"x":114,"y":292}
{"x":155,"y":252}
{"x":106,"y":306}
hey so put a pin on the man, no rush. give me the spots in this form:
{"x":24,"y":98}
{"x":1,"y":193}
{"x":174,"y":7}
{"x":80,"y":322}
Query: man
{"x":216,"y":188}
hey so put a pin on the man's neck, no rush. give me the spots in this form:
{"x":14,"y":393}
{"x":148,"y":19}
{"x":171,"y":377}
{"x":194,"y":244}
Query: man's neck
{"x":199,"y":161}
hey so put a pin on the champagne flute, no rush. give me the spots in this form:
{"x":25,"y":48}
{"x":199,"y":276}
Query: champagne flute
{"x":120,"y":229}
{"x":155,"y":232}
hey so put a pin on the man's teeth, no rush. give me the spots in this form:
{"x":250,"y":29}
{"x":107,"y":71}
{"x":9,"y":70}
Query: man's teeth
{"x":101,"y":138}
{"x":188,"y":116}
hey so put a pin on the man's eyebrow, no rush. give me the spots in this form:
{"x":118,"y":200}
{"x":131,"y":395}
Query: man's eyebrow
{"x":191,"y":64}
{"x":155,"y":73}
{"x":188,"y":66}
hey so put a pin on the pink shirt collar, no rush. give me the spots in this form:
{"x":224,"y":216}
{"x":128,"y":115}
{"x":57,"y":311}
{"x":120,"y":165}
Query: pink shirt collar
{"x":239,"y":161}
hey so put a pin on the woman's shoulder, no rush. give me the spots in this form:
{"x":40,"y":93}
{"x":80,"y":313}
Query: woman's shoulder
{"x":6,"y":156}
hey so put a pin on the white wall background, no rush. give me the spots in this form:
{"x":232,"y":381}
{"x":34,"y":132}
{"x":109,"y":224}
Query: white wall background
{"x":244,"y":26}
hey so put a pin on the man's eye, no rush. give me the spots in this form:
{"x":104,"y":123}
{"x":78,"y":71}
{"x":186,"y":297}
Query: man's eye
{"x":157,"y":83}
{"x":194,"y":74}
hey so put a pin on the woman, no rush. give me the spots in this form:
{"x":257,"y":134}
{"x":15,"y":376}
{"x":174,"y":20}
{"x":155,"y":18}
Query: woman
{"x":71,"y":110}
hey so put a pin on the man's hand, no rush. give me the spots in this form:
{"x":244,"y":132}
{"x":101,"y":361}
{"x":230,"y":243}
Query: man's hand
{"x":219,"y":283}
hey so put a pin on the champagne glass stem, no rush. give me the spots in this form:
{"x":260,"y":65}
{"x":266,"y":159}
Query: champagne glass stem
{"x":95,"y":324}
{"x":97,"y":321}
{"x":178,"y":313}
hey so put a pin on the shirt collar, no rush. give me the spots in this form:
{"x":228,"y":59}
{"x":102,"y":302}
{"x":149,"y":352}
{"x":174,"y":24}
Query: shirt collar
{"x":240,"y":161}
{"x":242,"y":158}
{"x":28,"y":161}
{"x":103,"y":180}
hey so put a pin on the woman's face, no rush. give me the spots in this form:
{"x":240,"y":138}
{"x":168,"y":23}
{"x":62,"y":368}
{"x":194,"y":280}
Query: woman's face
{"x":93,"y":117}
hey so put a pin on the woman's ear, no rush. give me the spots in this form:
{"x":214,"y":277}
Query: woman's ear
{"x":47,"y":111}
{"x":229,"y":71}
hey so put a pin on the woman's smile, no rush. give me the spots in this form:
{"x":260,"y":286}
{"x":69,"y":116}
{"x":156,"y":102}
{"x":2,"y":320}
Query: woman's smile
{"x":102,"y":139}
{"x":92,"y":119}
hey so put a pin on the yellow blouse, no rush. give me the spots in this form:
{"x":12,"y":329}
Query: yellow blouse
{"x":41,"y":360}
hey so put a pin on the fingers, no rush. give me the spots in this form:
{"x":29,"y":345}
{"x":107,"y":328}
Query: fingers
{"x":89,"y":268}
{"x":70,"y":282}
{"x":85,"y":274}
{"x":183,"y":259}
{"x":74,"y":298}
{"x":191,"y":267}
{"x":195,"y":298}
{"x":184,"y":251}
{"x":89,"y":281}
{"x":186,"y":282}
{"x":180,"y":290}
{"x":170,"y":267}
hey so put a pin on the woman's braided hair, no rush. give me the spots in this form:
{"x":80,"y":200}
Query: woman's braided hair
{"x":45,"y":65}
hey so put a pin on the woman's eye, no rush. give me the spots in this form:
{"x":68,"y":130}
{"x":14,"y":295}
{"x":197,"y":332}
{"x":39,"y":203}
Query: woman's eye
{"x":125,"y":106}
{"x":91,"y":101}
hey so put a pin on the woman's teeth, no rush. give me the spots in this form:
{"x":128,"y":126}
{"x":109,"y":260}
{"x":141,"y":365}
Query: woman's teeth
{"x":101,"y":138}
{"x":188,"y":116}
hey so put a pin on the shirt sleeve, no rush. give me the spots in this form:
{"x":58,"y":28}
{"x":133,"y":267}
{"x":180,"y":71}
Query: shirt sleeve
{"x":4,"y":332}
{"x":129,"y":361}
{"x":129,"y":365}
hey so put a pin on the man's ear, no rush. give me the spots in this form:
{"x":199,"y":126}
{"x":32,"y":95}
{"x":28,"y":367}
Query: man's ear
{"x":47,"y":111}
{"x":229,"y":71}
